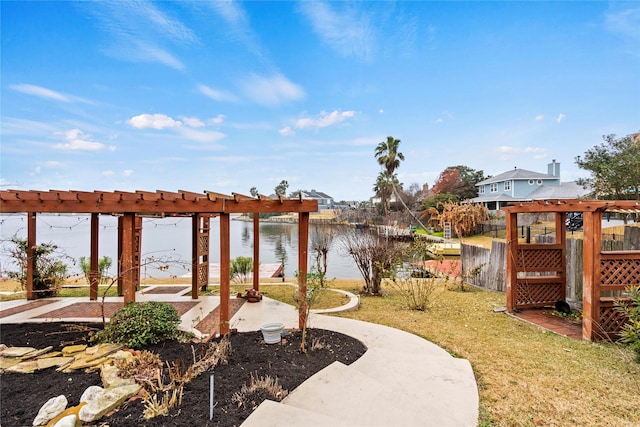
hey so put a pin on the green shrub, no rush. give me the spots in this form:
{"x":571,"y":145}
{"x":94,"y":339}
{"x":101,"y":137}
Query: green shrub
{"x":241,"y":267}
{"x":630,"y":332}
{"x":141,"y":323}
{"x":49,"y":270}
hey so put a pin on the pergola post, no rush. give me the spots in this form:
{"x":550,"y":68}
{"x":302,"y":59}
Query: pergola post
{"x":303,"y":249}
{"x":31,"y":260}
{"x":592,"y":224}
{"x":512,"y":259}
{"x":225,"y":278}
{"x":561,"y":239}
{"x":93,"y":258}
{"x":126,"y":261}
{"x":200,"y":229}
{"x":256,"y":251}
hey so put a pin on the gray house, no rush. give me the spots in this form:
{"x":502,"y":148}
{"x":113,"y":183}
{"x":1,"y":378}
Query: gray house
{"x":324,"y":200}
{"x":519,"y":185}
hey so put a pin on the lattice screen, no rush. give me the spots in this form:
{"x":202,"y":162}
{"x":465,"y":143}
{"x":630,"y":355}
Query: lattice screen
{"x":530,"y":259}
{"x":537,"y":294}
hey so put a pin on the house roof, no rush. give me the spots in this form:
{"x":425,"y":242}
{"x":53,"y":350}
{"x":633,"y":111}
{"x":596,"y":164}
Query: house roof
{"x":499,"y":197}
{"x":316,"y":194}
{"x":566,"y":190}
{"x":516,"y":174}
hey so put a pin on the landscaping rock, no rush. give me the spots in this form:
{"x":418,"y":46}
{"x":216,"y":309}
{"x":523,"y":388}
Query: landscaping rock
{"x":73,"y":349}
{"x":68,"y":421}
{"x":105,"y":401}
{"x":51,"y":409}
{"x":110,"y":378}
{"x":67,"y":412}
{"x":16,"y":351}
{"x":36,"y":353}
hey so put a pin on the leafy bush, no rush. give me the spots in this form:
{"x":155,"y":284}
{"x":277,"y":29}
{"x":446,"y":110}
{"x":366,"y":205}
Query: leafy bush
{"x":49,"y":272}
{"x":240,"y":268}
{"x":141,"y":323}
{"x":104,"y":264}
{"x":630,"y":332}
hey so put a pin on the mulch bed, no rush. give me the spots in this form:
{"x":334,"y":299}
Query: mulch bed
{"x":22,"y":395}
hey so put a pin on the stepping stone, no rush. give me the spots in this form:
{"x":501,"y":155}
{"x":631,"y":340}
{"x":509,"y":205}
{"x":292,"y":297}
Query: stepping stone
{"x":17,"y":351}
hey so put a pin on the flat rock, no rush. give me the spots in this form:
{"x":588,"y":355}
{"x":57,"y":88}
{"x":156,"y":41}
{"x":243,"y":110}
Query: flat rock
{"x":106,"y":402}
{"x":36,"y":353}
{"x":110,"y":377}
{"x":27,"y":367}
{"x":16,"y":351}
{"x":6,"y":363}
{"x":73,"y":349}
{"x":51,"y":409}
{"x":50,"y":362}
{"x":70,"y":420}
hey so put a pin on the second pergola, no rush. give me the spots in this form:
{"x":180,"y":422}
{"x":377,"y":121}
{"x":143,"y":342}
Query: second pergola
{"x":536,"y":273}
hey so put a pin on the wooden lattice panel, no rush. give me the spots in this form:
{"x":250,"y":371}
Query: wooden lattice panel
{"x":530,"y":259}
{"x":203,"y":243}
{"x":203,"y":274}
{"x":537,"y":294}
{"x":611,"y":321}
{"x":619,"y":272}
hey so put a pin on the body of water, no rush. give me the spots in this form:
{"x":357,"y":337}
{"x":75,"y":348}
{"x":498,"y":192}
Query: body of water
{"x":170,"y":239}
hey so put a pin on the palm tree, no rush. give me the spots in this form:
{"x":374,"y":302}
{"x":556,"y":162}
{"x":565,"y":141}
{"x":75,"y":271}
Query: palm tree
{"x":383,"y":190}
{"x":388,"y":155}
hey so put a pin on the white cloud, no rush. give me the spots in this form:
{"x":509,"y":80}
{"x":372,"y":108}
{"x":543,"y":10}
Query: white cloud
{"x":40,"y":91}
{"x":77,"y":140}
{"x":201,"y":135}
{"x":539,"y":118}
{"x":439,"y":120}
{"x":216,"y":120}
{"x":626,"y":23}
{"x":560,"y":118}
{"x":107,"y":173}
{"x":381,"y":111}
{"x":127,"y":172}
{"x":217,"y":95}
{"x":153,"y":121}
{"x":194,"y":122}
{"x":136,"y":30}
{"x":286,"y":131}
{"x":346,"y":31}
{"x":272,"y":90}
{"x":324,"y":119}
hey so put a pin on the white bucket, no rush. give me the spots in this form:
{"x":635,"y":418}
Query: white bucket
{"x":272,"y":332}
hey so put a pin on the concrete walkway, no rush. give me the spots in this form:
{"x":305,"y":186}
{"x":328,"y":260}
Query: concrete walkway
{"x":401,"y":380}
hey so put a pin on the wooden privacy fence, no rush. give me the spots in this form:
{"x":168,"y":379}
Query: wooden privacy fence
{"x":485,"y":268}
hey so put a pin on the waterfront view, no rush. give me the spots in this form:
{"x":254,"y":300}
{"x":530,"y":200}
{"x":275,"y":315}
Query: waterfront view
{"x":170,"y":239}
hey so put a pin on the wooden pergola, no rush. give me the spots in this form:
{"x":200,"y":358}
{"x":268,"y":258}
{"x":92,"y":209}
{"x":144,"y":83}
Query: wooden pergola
{"x":131,"y":207}
{"x":536,"y":273}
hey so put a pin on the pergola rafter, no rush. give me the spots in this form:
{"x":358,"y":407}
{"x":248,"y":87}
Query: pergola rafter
{"x":130,"y":207}
{"x":602,"y":271}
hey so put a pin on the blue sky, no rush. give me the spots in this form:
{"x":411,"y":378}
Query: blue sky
{"x":224,"y":96}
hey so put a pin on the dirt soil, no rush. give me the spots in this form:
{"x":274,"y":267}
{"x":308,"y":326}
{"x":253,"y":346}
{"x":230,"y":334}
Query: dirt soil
{"x":22,"y":395}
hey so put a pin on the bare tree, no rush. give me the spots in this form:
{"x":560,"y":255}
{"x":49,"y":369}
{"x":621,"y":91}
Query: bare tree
{"x":322,"y":238}
{"x":372,"y":254}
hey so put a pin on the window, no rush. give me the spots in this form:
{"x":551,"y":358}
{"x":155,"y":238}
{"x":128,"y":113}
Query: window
{"x":481,"y":190}
{"x":494,"y":187}
{"x":507,"y":185}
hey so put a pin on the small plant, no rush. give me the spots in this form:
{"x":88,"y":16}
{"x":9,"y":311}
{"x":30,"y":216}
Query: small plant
{"x":49,"y":272}
{"x":104,"y":264}
{"x":142,"y":367}
{"x":415,"y":292}
{"x":241,"y":267}
{"x":630,"y":332}
{"x":141,"y":323}
{"x":248,"y":395}
{"x":315,"y":281}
